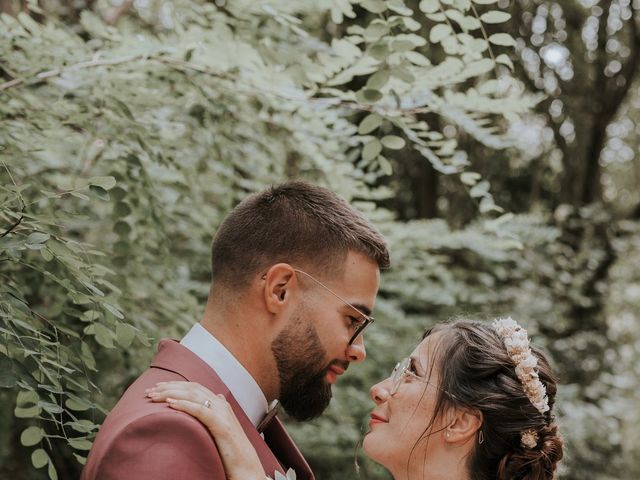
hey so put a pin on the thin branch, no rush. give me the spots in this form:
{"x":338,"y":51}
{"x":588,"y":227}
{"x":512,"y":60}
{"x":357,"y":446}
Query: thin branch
{"x":11,"y":83}
{"x":484,"y":32}
{"x":12,"y":227}
{"x":24,"y":205}
{"x":9,"y":173}
{"x":45,"y":76}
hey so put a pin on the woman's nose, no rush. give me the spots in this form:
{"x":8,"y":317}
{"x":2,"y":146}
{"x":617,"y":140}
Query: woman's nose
{"x":381,"y":391}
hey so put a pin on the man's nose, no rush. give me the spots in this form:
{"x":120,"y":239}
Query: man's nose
{"x":356,"y":352}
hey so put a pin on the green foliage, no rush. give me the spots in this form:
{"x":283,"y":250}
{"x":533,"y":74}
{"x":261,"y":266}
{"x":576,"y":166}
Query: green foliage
{"x":122,"y":151}
{"x":122,"y":148}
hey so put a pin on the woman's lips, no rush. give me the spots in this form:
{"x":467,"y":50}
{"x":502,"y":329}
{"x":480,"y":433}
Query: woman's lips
{"x":375,"y":419}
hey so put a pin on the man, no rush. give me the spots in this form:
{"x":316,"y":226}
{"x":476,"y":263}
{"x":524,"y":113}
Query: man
{"x":295,"y":274}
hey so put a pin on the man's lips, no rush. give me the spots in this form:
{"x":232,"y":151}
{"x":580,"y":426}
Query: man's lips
{"x":375,"y":419}
{"x":332,"y":373}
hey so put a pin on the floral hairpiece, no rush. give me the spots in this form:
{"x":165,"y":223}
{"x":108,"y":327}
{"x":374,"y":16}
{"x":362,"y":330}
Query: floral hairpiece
{"x":516,"y":342}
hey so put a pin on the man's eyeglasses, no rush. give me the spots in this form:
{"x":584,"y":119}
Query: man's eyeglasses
{"x":402,"y":369}
{"x":363,"y":322}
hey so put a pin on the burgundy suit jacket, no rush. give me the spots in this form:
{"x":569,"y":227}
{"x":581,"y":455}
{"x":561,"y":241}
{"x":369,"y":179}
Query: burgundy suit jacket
{"x":143,"y":440}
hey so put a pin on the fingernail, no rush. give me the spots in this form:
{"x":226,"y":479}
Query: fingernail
{"x":171,"y":401}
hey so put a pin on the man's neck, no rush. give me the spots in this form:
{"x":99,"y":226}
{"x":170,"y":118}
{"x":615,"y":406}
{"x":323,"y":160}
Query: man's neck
{"x":243,"y":337}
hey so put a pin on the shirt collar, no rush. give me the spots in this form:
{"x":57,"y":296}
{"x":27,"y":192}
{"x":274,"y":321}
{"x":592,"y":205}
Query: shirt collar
{"x":237,"y":379}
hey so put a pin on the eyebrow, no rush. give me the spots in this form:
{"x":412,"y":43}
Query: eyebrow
{"x":363,"y":308}
{"x":358,"y":306}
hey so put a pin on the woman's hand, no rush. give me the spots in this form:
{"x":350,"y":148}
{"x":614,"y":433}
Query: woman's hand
{"x":238,"y":455}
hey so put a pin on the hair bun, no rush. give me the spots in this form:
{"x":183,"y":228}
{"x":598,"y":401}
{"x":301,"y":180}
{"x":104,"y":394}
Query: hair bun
{"x":538,"y":463}
{"x":551,"y":445}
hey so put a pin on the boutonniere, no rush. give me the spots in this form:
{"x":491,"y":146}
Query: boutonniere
{"x":291,"y":475}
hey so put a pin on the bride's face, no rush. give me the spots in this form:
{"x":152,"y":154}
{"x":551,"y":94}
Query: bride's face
{"x":403,"y":433}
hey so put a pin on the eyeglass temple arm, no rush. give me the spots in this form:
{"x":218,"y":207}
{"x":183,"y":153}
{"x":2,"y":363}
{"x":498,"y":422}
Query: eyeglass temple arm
{"x":368,"y":317}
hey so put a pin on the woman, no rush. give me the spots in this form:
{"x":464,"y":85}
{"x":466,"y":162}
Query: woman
{"x":472,"y":402}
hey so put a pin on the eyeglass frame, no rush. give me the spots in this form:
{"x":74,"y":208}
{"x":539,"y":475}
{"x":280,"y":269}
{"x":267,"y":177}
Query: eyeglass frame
{"x":401,"y":370}
{"x":368,"y":319}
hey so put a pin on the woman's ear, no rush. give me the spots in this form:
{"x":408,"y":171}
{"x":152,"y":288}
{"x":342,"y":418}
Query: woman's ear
{"x":464,"y":425}
{"x":278,"y":283}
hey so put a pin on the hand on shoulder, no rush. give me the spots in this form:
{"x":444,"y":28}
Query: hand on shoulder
{"x":240,"y":459}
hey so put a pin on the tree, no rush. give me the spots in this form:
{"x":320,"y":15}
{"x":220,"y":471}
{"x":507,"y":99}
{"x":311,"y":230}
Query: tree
{"x":585,"y":60}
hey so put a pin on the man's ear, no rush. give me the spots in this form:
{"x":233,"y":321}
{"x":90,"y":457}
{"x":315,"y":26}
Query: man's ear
{"x":464,"y":426}
{"x":278,"y":283}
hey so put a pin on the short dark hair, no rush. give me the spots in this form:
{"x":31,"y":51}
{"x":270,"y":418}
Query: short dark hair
{"x":294,"y":222}
{"x":475,"y":371}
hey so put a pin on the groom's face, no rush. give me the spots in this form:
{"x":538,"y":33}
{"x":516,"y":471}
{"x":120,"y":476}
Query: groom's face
{"x":313,"y":349}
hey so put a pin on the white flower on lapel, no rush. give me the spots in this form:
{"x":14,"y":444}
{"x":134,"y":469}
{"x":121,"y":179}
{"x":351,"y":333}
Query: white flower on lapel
{"x":291,"y":475}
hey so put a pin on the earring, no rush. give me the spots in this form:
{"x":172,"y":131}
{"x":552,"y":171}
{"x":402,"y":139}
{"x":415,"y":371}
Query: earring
{"x":446,"y":434}
{"x":481,"y":437}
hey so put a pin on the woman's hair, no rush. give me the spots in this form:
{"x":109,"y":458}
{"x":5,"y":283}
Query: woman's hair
{"x":477,"y":372}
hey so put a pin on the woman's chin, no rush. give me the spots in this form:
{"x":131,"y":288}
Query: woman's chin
{"x":365,"y":443}
{"x":376,"y":451}
{"x":369,"y":445}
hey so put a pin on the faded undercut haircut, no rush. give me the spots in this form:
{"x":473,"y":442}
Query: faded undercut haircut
{"x":295,"y":222}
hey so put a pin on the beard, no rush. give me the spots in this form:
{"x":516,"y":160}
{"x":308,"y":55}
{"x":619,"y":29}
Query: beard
{"x":299,"y":356}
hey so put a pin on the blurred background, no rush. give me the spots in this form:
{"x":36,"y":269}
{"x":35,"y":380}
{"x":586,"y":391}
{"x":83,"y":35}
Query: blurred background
{"x":493,"y":142}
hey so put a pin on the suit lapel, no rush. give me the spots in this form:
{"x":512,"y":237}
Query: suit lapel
{"x":176,"y":358}
{"x":283,"y":447}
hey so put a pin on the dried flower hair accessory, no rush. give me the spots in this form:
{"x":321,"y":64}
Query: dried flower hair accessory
{"x":516,"y":343}
{"x":529,"y":438}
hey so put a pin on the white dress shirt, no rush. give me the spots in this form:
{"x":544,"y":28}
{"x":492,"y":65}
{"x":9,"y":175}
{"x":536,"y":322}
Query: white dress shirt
{"x":237,"y":379}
